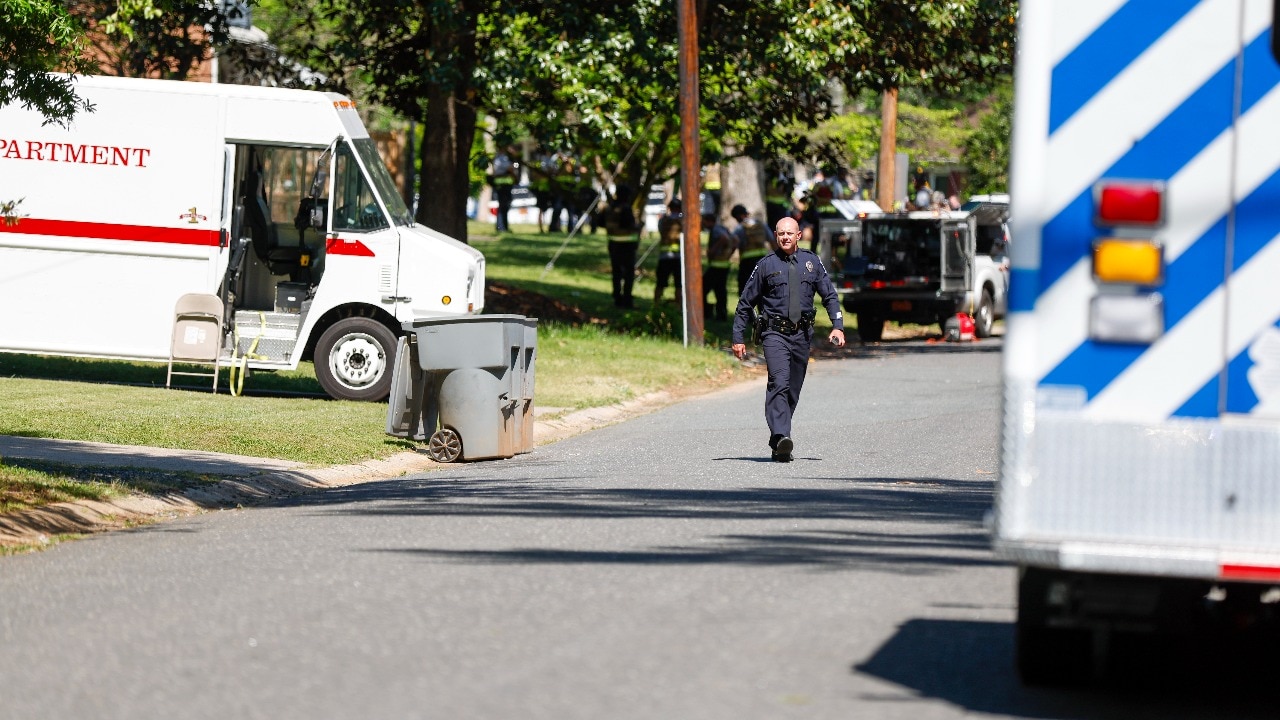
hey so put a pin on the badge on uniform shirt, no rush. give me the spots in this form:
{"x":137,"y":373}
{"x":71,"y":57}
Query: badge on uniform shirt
{"x":808,"y":265}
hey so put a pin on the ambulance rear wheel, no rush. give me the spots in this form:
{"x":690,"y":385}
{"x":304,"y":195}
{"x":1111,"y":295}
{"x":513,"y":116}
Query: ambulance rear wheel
{"x":1047,"y":655}
{"x":984,"y":316}
{"x":353,"y":359}
{"x":870,"y":328}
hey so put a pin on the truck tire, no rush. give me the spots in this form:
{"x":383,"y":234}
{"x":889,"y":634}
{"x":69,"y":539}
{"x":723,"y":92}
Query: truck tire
{"x":870,"y":328}
{"x":984,"y":316}
{"x":1047,"y":655}
{"x":354,"y":359}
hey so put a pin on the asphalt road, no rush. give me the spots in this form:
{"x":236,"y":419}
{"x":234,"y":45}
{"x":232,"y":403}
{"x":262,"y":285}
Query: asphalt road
{"x":660,"y":568}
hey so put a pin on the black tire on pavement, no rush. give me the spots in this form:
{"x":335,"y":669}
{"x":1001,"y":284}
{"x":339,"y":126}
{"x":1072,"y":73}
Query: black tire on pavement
{"x":1047,"y":656}
{"x":870,"y":328}
{"x":984,"y":316}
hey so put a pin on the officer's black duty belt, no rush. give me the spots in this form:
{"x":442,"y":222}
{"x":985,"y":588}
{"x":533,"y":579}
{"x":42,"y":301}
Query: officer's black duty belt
{"x":784,"y":325}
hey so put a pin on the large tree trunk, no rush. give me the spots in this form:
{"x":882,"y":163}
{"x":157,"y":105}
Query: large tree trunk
{"x":448,"y":131}
{"x":741,"y":183}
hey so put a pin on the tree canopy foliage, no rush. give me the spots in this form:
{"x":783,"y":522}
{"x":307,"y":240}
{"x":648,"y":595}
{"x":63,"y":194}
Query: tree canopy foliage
{"x":39,"y":37}
{"x":585,"y":76}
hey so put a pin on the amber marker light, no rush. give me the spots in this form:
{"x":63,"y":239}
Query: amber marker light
{"x":1123,"y":260}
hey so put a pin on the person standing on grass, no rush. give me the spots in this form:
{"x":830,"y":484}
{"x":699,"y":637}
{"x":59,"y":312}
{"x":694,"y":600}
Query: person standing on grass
{"x":669,"y":239}
{"x":624,"y":237}
{"x":782,"y":285}
{"x":754,"y":242}
{"x":715,"y":277}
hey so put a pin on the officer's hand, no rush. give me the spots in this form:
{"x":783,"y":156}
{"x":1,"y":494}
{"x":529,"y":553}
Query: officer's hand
{"x":739,"y":350}
{"x":837,"y":338}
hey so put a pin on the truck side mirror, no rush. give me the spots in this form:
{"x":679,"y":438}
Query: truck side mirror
{"x":317,"y":215}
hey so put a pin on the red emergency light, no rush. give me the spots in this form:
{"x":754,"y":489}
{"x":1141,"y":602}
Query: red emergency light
{"x":1129,"y":202}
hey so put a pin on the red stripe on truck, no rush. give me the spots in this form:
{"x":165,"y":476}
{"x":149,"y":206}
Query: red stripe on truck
{"x":110,"y":231}
{"x":344,"y":246}
{"x":1249,"y":572}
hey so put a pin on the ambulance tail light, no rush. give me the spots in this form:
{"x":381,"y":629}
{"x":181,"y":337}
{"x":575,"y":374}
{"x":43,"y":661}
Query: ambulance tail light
{"x":1130,"y":319}
{"x":1135,"y":203}
{"x":1128,"y":260}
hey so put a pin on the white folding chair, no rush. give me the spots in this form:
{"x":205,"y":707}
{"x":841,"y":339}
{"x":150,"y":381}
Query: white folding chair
{"x":197,"y":336}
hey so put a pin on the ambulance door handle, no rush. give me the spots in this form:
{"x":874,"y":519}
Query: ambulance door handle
{"x":396,"y":298}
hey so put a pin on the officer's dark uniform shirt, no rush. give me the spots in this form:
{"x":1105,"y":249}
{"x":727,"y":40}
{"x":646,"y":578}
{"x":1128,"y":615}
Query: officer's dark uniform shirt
{"x":767,"y":287}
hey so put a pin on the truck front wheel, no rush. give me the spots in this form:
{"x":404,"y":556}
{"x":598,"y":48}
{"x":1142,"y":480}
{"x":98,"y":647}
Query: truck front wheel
{"x":354,"y":359}
{"x":984,"y":316}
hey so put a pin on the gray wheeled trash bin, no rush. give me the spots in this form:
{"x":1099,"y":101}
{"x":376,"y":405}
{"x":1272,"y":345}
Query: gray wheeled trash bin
{"x":464,"y":385}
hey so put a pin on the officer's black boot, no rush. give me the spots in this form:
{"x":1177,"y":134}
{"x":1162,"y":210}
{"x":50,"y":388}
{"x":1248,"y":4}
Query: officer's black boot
{"x":782,"y":449}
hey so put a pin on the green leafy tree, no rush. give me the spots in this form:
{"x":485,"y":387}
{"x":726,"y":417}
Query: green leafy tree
{"x":986,"y":150}
{"x":39,"y":37}
{"x":145,"y":38}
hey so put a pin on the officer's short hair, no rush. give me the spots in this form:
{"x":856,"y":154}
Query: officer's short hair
{"x":738,"y":211}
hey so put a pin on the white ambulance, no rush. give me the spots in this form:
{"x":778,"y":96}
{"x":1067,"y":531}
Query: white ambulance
{"x":276,"y":200}
{"x":1139,"y":486}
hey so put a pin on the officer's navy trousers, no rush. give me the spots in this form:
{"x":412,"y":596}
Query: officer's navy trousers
{"x":787,"y":357}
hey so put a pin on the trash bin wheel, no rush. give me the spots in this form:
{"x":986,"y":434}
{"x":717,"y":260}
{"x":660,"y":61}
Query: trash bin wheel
{"x":444,"y":445}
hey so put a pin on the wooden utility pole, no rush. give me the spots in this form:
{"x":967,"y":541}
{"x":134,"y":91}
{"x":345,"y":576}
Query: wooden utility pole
{"x":885,"y":180}
{"x":690,"y":169}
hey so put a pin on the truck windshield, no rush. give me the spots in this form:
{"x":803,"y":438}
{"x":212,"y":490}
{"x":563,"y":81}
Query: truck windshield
{"x":383,"y":184}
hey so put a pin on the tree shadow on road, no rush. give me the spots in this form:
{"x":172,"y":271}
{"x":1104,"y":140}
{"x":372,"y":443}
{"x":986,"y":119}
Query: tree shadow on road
{"x":877,"y":506}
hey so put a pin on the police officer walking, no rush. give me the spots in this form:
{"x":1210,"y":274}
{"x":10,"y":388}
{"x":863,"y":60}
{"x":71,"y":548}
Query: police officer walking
{"x":782,"y":285}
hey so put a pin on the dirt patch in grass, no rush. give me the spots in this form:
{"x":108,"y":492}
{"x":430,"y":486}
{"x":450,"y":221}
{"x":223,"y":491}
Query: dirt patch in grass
{"x":502,"y":299}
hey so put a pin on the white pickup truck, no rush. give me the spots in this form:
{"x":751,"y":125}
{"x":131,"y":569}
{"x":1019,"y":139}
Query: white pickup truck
{"x":925,"y":266}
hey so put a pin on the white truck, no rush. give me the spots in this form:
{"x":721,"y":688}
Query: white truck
{"x":926,"y":266}
{"x":275,"y":200}
{"x":1139,"y":482}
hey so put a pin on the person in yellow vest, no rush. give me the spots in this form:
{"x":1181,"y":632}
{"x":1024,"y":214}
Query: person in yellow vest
{"x":624,"y":237}
{"x":777,"y":200}
{"x":715,"y":276}
{"x":755,"y":240}
{"x":506,"y":168}
{"x":669,"y":239}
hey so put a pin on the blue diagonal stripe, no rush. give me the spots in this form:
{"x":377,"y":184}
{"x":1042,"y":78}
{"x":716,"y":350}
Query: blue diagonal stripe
{"x":1115,"y":44}
{"x":1240,"y":395}
{"x":1159,"y":155}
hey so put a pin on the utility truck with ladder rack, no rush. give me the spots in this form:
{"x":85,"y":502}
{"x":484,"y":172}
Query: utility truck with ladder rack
{"x":274,"y":200}
{"x":1139,"y":484}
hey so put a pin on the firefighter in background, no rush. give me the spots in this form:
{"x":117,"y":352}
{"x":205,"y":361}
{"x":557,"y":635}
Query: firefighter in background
{"x":777,"y":200}
{"x":505,"y":171}
{"x":669,"y":238}
{"x":715,"y":276}
{"x":624,"y":237}
{"x":782,"y":286}
{"x":755,"y":240}
{"x":540,"y":173}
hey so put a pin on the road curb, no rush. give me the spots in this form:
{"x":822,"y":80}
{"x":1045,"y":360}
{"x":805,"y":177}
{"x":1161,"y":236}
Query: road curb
{"x":39,"y":526}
